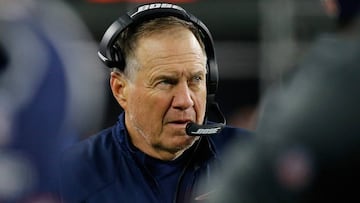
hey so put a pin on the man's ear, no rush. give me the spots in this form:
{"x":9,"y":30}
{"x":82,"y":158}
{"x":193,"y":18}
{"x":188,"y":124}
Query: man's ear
{"x":119,"y":85}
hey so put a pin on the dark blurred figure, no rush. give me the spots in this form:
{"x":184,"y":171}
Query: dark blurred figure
{"x":345,"y":13}
{"x":307,"y":148}
{"x":3,"y":58}
{"x":45,"y":90}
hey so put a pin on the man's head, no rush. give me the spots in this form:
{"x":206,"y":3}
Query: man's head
{"x":345,"y":11}
{"x":160,"y":75}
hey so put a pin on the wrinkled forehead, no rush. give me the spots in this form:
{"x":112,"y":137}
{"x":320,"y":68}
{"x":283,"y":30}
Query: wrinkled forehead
{"x":175,"y":46}
{"x":164,"y":25}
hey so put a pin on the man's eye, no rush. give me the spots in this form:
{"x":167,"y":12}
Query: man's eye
{"x":197,"y":78}
{"x":167,"y":82}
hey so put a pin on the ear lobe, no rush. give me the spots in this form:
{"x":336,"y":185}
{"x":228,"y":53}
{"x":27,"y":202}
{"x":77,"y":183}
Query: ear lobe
{"x":118,"y":84}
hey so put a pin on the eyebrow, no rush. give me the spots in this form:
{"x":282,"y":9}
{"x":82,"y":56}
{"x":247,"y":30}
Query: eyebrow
{"x":200,"y":72}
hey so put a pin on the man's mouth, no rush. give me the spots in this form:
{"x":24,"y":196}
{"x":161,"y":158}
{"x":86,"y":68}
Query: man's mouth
{"x":181,"y":122}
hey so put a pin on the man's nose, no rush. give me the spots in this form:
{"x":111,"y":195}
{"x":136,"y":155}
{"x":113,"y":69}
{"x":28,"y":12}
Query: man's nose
{"x":182,"y":97}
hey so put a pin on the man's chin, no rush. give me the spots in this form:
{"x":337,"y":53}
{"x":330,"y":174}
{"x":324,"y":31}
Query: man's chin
{"x":185,"y":141}
{"x":178,"y":139}
{"x":177,"y":146}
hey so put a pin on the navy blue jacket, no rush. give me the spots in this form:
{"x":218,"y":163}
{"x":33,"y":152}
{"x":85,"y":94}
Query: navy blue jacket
{"x":102,"y":168}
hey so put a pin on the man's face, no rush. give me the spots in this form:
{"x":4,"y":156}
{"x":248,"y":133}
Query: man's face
{"x":168,"y":92}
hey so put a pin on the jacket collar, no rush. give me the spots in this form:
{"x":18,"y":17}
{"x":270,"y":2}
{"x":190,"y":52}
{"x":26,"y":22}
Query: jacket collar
{"x":204,"y":151}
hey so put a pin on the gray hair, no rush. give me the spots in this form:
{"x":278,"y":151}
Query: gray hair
{"x":129,"y":38}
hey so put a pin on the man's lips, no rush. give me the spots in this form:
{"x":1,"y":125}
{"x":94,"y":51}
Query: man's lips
{"x":180,"y":122}
{"x":179,"y":126}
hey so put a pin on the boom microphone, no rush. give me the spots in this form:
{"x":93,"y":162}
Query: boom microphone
{"x":194,"y":129}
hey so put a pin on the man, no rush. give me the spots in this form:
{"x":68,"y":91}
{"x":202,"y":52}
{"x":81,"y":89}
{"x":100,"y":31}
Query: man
{"x":164,"y":77}
{"x":308,"y":130}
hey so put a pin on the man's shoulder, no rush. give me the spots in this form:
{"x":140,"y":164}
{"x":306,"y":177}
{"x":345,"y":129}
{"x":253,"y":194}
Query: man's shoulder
{"x":231,"y":132}
{"x":90,"y":147}
{"x":236,"y":131}
{"x":88,"y":165}
{"x":229,"y":135}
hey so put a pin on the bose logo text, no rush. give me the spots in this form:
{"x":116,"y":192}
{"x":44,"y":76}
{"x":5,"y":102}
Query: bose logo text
{"x":156,"y":5}
{"x":207,"y":131}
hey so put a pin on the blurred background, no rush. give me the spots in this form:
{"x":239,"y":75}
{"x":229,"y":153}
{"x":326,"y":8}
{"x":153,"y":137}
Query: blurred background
{"x":54,"y":91}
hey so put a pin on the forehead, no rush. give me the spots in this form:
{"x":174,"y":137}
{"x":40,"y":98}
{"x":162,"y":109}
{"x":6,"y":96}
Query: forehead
{"x":170,"y":27}
{"x":173,"y":47}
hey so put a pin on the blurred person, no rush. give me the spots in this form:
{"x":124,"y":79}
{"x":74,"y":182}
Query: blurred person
{"x":164,"y":76}
{"x":307,"y":142}
{"x":49,"y":90}
{"x":345,"y":14}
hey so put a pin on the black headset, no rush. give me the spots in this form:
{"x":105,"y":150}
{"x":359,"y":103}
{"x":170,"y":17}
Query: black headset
{"x":111,"y":55}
